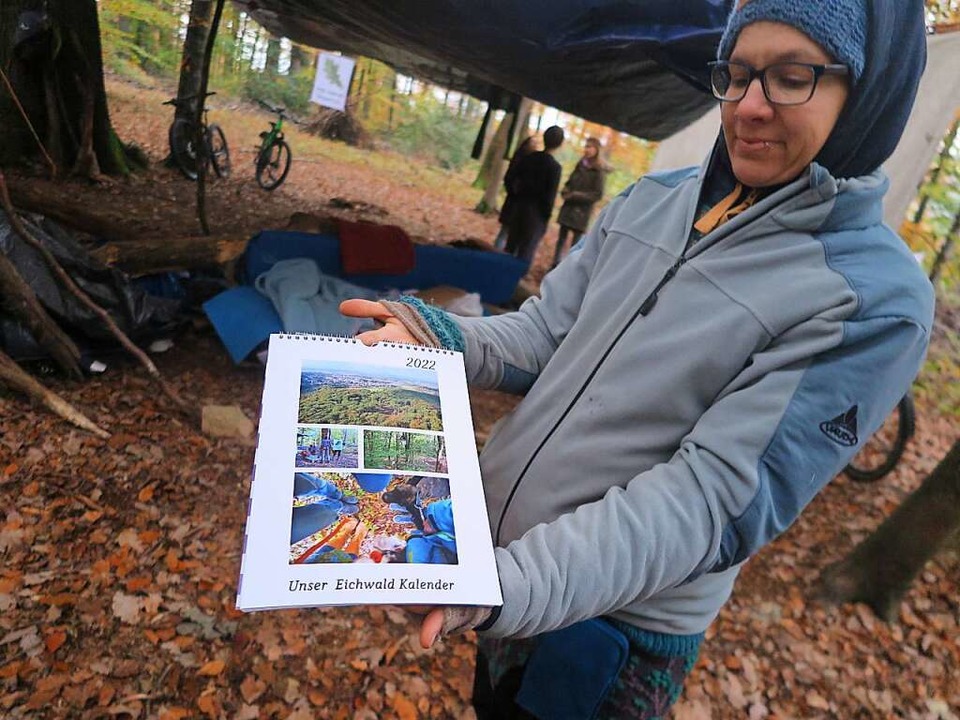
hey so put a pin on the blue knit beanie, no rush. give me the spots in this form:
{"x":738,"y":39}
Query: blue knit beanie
{"x":839,"y":26}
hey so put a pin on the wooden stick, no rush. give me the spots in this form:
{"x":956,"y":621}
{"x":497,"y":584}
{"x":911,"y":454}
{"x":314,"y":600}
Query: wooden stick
{"x":17,"y":379}
{"x":26,"y":119}
{"x":75,"y":290}
{"x":22,"y":303}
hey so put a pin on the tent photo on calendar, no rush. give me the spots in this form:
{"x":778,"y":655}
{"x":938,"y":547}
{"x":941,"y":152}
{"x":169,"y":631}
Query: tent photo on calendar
{"x":372,"y":517}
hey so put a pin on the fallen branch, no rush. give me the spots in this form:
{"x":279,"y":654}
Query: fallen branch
{"x":75,"y":290}
{"x":73,"y":215}
{"x":22,"y":303}
{"x":17,"y":379}
{"x":155,"y":255}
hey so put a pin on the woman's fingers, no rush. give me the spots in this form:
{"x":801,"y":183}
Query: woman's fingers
{"x":430,"y":628}
{"x":392,"y":330}
{"x":365,"y":309}
{"x":372,"y":337}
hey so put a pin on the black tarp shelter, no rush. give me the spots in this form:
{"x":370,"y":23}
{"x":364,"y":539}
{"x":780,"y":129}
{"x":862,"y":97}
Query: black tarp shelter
{"x":638,"y":66}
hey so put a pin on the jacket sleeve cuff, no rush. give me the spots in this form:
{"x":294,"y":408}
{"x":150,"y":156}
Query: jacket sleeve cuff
{"x":428,"y":324}
{"x":491,"y":619}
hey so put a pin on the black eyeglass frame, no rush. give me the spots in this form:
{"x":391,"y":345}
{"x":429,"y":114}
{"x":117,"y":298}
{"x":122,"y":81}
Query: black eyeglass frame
{"x":752,"y":73}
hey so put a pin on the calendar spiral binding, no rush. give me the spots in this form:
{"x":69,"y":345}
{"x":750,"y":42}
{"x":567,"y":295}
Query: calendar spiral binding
{"x":348,"y":339}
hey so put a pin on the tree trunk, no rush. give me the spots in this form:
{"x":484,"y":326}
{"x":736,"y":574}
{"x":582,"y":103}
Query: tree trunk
{"x":67,"y":212}
{"x":523,"y":121}
{"x":494,"y":164}
{"x":147,"y":40}
{"x":941,"y":259}
{"x":146,"y":257}
{"x":191,"y":62}
{"x":935,"y":173}
{"x":301,"y":58}
{"x":272,"y":66}
{"x":879,"y":570}
{"x":440,"y":444}
{"x":202,"y":158}
{"x":59,"y":80}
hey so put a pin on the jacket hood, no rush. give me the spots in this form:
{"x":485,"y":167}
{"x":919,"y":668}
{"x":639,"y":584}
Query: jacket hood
{"x":877,"y":109}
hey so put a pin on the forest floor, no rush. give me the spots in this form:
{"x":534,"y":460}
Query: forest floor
{"x":120,"y":557}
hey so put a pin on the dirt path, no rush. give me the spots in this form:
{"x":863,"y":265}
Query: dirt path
{"x":327,"y":178}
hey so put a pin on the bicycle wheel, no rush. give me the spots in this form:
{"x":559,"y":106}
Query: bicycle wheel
{"x":219,"y":152}
{"x":183,"y":149}
{"x":273,"y":164}
{"x":881,"y":453}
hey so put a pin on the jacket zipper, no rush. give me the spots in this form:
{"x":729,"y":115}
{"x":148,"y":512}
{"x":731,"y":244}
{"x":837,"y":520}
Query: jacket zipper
{"x":643,"y":310}
{"x":652,"y":298}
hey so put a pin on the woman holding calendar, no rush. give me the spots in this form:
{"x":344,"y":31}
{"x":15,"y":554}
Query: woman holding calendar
{"x":686,"y":366}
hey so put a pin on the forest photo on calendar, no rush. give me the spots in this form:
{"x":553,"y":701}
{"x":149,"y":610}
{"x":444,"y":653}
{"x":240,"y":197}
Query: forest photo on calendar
{"x":353,"y":394}
{"x":409,"y":451}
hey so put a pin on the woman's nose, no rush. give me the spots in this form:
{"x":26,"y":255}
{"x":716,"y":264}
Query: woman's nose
{"x":754,"y":104}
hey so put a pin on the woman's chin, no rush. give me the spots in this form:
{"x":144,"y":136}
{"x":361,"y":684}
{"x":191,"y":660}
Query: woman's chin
{"x":755,"y":177}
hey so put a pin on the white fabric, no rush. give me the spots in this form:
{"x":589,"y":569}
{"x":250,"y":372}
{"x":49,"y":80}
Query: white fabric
{"x":332,"y":81}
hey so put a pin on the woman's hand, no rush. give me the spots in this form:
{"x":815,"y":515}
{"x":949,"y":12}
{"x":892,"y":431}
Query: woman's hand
{"x":441,"y":620}
{"x":392,"y":330}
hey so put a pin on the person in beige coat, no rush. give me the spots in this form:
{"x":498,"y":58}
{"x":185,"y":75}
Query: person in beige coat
{"x":583,"y":189}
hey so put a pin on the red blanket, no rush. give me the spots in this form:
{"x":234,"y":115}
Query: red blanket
{"x":371,"y":249}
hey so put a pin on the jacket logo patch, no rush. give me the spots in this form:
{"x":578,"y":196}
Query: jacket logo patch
{"x":843,"y":428}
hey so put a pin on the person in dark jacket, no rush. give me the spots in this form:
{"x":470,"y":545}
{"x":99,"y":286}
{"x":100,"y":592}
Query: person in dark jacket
{"x":583,"y":189}
{"x":534,"y":181}
{"x":530,"y":145}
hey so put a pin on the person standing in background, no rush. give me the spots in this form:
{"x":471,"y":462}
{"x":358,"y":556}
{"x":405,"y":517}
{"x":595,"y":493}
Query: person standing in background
{"x":583,"y":189}
{"x":529,"y":145}
{"x":534,"y":181}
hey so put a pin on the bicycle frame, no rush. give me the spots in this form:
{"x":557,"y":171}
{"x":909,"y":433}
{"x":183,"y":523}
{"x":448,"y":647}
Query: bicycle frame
{"x":274,"y":132}
{"x":192,"y":143}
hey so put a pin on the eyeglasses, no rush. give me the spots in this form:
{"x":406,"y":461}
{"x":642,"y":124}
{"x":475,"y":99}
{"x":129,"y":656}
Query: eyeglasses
{"x":788,"y":83}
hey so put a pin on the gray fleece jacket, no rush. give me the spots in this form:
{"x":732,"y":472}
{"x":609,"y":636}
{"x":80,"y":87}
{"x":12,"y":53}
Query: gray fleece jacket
{"x":683,"y":407}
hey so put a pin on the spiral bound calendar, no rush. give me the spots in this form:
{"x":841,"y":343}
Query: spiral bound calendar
{"x":366,"y":486}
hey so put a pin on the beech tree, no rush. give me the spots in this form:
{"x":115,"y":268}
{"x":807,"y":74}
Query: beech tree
{"x":494,"y":164}
{"x":880,"y":569}
{"x":55,"y":73}
{"x":191,"y":63}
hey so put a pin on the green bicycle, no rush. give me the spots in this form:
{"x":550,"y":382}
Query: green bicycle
{"x":273,"y":155}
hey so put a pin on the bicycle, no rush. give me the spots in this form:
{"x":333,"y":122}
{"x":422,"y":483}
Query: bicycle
{"x":273,"y":155}
{"x":182,"y":137}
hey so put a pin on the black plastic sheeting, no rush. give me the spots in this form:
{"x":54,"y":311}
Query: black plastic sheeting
{"x":141,"y":316}
{"x":639,"y":66}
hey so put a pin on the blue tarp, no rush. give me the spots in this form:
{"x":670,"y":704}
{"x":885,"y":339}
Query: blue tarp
{"x":638,"y":66}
